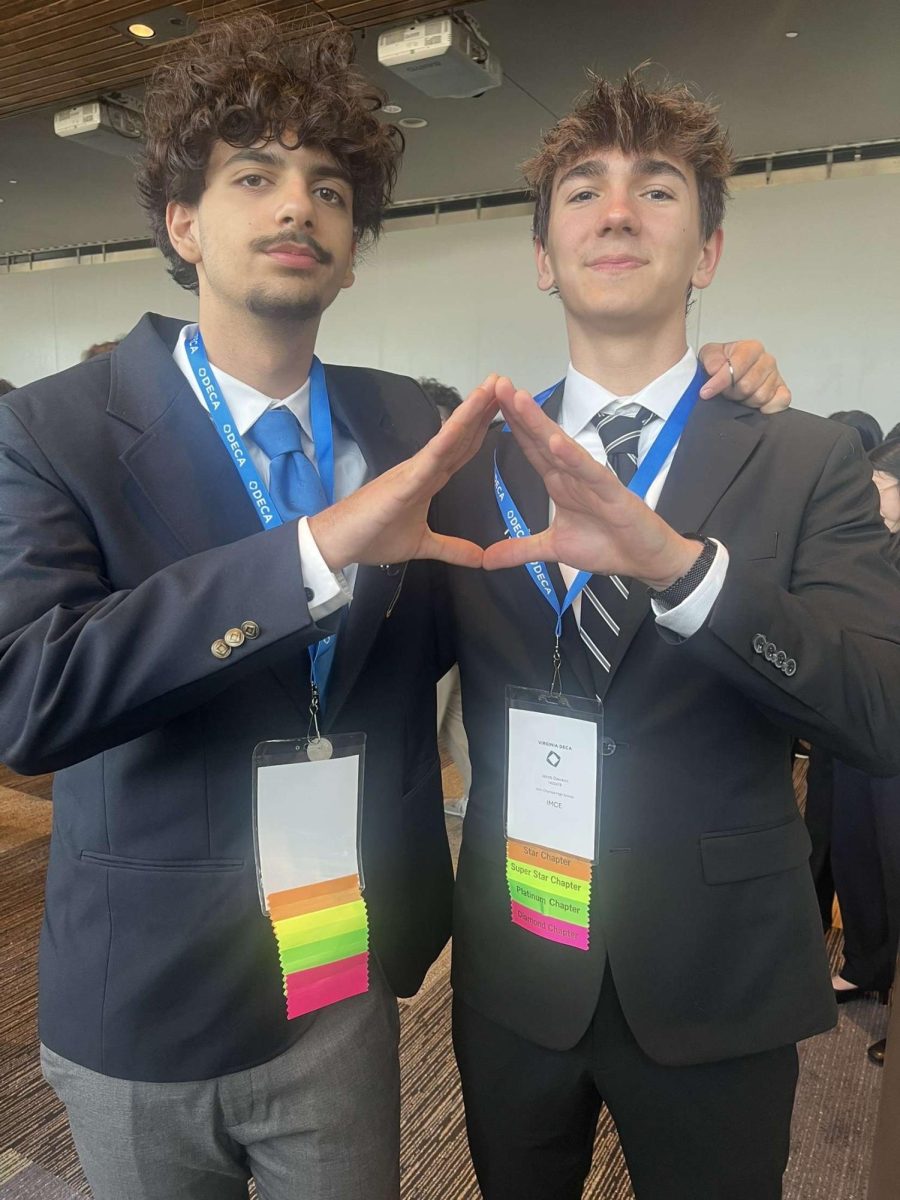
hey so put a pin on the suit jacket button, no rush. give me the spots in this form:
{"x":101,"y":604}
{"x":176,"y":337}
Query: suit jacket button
{"x":790,"y":667}
{"x":771,"y":651}
{"x":220,"y":649}
{"x":250,"y":629}
{"x":759,"y":643}
{"x":780,"y":660}
{"x":234,"y":637}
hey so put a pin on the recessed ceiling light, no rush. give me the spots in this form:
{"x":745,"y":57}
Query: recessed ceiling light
{"x":156,"y":26}
{"x":391,"y":108}
{"x":792,"y":33}
{"x":413,"y":122}
{"x":13,"y":181}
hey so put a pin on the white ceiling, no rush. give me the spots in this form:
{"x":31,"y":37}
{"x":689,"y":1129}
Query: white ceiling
{"x":838,"y":82}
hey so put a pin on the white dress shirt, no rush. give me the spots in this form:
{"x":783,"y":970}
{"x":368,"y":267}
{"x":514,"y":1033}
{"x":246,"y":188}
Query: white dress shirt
{"x":582,"y":400}
{"x":330,"y":590}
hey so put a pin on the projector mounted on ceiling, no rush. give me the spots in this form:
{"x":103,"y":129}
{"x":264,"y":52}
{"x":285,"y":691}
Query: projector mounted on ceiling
{"x":444,"y":57}
{"x":113,"y":124}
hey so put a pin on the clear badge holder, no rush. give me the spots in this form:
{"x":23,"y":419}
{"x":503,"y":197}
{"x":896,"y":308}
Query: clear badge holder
{"x":554,"y":773}
{"x":307,"y":813}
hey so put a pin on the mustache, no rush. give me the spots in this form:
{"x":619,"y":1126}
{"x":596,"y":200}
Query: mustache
{"x":294,"y":239}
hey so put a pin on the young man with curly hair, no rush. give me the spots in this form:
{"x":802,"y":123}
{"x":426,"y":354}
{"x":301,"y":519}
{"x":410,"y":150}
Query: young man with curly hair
{"x":730,"y":589}
{"x":156,"y":623}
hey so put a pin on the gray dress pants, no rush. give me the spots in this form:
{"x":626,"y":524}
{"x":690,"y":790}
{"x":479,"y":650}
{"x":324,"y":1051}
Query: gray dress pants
{"x":320,"y":1122}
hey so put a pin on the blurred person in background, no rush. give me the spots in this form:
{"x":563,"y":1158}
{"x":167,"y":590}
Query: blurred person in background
{"x":865,"y":849}
{"x":820,"y":776}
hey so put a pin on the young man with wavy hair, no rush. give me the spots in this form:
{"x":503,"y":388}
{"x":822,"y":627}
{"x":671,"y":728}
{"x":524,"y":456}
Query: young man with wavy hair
{"x":735,"y":593}
{"x":155,"y":625}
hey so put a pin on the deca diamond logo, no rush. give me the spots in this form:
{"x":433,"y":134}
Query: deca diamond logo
{"x":553,"y":759}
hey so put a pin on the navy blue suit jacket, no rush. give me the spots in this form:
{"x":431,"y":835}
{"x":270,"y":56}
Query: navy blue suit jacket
{"x":127,"y":547}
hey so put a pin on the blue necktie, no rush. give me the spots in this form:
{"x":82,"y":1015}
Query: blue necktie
{"x":296,"y":488}
{"x":294,"y":482}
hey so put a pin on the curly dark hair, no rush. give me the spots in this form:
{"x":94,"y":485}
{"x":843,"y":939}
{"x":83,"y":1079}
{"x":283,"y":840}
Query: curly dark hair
{"x":636,"y":120}
{"x":249,"y":79}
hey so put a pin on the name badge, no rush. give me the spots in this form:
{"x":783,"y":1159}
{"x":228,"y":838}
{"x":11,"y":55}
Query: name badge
{"x":554,"y":766}
{"x":307,"y":811}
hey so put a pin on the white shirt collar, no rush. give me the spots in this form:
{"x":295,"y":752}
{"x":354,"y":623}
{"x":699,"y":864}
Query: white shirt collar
{"x":583,"y":398}
{"x":247,"y":405}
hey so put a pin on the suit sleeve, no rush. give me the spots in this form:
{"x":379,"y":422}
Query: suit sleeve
{"x":838,"y":623}
{"x":84,"y":665}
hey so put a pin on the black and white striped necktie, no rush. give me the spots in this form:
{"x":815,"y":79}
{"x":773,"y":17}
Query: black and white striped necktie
{"x":604,"y":598}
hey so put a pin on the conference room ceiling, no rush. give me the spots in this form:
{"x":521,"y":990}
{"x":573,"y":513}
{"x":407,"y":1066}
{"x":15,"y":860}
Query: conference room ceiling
{"x":57,"y":51}
{"x":837,"y":82}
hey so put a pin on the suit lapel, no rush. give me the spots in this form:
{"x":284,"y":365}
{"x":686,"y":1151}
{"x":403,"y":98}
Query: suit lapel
{"x":367,"y":418}
{"x":714,"y":446}
{"x":526,"y":487}
{"x":177,"y":460}
{"x":719,"y":438}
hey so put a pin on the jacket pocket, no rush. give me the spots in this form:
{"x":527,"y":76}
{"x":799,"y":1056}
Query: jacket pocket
{"x":738,"y":854}
{"x":194,"y":865}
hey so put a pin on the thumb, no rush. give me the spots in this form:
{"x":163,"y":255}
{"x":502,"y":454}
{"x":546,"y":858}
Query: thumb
{"x":456,"y":551}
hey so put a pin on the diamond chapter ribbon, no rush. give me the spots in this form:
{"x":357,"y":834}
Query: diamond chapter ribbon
{"x":550,"y":893}
{"x":322,"y":931}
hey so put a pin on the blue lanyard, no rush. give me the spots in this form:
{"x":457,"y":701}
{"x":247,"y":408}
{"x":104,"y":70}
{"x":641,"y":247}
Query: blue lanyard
{"x":663,"y":445}
{"x":323,"y":440}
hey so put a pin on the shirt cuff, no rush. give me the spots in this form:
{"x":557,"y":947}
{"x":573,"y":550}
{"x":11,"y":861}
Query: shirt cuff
{"x":688,"y":616}
{"x":326,"y":590}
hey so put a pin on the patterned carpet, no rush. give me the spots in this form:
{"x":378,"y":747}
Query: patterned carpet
{"x":833,"y":1122}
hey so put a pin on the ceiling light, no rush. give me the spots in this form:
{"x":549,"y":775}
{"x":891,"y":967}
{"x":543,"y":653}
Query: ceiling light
{"x":792,"y":33}
{"x":413,"y":122}
{"x":158,"y":26}
{"x":391,"y":108}
{"x":13,"y":181}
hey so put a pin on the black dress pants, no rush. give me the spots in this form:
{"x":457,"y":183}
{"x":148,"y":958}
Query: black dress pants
{"x":716,"y":1131}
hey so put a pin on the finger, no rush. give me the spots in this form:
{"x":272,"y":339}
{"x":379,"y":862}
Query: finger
{"x":719,"y":379}
{"x":456,"y":551}
{"x":714,"y":362}
{"x":470,"y":430}
{"x":454,"y":444}
{"x":758,"y":385}
{"x":488,"y":384}
{"x":513,"y":552}
{"x":764,"y":392}
{"x":746,"y":357}
{"x":531,"y":428}
{"x":780,"y":400}
{"x":471,"y":418}
{"x":747,"y":384}
{"x":579,"y":464}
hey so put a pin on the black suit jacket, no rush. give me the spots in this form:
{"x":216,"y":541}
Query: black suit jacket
{"x":127,"y":546}
{"x":702,"y":902}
